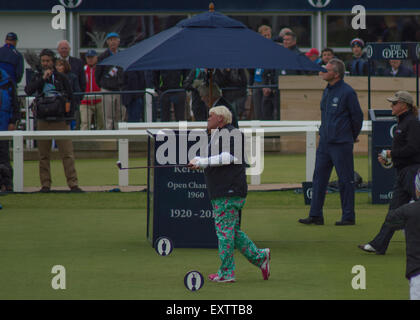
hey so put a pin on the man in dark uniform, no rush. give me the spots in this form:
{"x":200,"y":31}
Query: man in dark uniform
{"x":341,"y":122}
{"x":405,"y":154}
{"x":9,"y":115}
{"x":11,"y":60}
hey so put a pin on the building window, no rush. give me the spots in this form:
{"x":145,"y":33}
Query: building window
{"x":131,"y":28}
{"x":301,"y":25}
{"x":379,"y":28}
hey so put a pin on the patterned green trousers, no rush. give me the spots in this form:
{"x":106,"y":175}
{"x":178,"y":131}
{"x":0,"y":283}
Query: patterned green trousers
{"x":230,"y":236}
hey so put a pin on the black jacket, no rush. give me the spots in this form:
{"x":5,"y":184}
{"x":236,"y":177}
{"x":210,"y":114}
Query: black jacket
{"x":270,"y":77}
{"x":408,"y":217}
{"x":77,"y":68}
{"x":169,"y":79}
{"x":74,"y":84}
{"x":359,"y":66}
{"x":109,"y":77}
{"x":227,"y":180}
{"x":403,"y":71}
{"x":233,"y":78}
{"x":133,"y":80}
{"x":60,"y":81}
{"x":405,"y":149}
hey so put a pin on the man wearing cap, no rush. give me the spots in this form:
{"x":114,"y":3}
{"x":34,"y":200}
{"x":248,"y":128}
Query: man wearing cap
{"x":341,"y":122}
{"x":111,"y":78}
{"x":91,"y":104}
{"x":9,"y":116}
{"x":358,"y":65}
{"x":11,"y":60}
{"x":405,"y":155}
{"x":408,"y":217}
{"x":313,"y":55}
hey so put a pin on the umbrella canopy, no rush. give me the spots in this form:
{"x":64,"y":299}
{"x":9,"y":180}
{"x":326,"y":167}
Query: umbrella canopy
{"x":209,"y":40}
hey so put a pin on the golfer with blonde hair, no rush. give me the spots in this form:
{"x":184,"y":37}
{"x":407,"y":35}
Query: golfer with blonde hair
{"x":226,"y":183}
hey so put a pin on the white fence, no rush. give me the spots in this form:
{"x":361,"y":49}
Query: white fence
{"x":138,"y":131}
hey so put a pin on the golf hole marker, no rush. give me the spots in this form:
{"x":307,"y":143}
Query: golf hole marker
{"x":163,"y":246}
{"x":193,"y":281}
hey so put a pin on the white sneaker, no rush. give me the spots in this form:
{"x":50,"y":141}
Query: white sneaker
{"x":367,"y":247}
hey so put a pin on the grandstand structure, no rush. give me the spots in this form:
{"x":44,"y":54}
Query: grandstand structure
{"x":317,"y":23}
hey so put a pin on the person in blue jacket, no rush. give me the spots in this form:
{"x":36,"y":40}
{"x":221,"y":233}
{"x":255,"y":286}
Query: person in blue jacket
{"x":341,"y":122}
{"x":11,"y":60}
{"x":9,"y":116}
{"x":359,"y":64}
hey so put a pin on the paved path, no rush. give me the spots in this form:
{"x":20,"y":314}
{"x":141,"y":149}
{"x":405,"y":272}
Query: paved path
{"x":262,"y":187}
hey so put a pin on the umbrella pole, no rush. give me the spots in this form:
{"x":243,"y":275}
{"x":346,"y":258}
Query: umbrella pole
{"x":211,"y":9}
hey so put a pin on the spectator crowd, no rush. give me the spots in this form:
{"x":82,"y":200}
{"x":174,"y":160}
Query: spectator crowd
{"x":105,"y":95}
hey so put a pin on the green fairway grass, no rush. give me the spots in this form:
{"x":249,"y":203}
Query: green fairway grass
{"x":278,"y":168}
{"x":100,"y":240}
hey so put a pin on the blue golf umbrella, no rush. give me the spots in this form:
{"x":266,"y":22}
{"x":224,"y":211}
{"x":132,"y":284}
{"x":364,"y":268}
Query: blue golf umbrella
{"x":209,"y":40}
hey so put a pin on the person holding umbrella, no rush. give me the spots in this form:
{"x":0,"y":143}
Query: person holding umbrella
{"x":227,"y":187}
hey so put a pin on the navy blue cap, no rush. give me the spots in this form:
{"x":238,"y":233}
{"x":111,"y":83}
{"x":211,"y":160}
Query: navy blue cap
{"x":11,"y":36}
{"x":91,"y":53}
{"x":112,"y":35}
